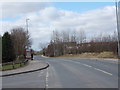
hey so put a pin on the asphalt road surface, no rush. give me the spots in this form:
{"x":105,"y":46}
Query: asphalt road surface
{"x":67,"y":73}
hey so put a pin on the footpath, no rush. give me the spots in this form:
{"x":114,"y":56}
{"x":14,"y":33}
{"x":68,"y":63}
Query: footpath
{"x":33,"y":65}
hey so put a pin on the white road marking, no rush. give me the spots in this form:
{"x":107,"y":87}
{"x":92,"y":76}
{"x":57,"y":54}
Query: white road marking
{"x":103,"y":71}
{"x":80,"y":63}
{"x":87,"y":65}
{"x":47,"y":75}
{"x":91,"y":67}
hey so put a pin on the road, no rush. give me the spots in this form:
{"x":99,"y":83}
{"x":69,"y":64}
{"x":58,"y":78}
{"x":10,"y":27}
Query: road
{"x":68,"y":73}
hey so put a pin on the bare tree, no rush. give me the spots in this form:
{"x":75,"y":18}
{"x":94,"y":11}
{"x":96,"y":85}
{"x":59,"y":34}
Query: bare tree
{"x":81,"y":38}
{"x":42,"y":45}
{"x":73,"y":37}
{"x":65,"y":36}
{"x":115,"y":36}
{"x":21,"y":40}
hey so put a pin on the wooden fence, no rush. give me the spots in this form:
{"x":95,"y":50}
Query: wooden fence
{"x":19,"y":62}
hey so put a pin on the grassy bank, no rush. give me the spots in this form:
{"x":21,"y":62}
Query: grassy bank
{"x":12,"y":66}
{"x":92,"y":55}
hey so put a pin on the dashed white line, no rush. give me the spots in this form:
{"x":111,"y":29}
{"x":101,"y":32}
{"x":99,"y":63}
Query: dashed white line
{"x":47,"y":75}
{"x":96,"y":69}
{"x":87,"y":65}
{"x":103,"y":71}
{"x":92,"y":67}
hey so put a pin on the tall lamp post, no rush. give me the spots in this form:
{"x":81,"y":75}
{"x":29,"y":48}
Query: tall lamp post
{"x":118,"y":25}
{"x":27,"y":24}
{"x":29,"y":51}
{"x":27,"y":30}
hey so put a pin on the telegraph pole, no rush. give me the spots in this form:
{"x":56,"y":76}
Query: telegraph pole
{"x":118,"y":27}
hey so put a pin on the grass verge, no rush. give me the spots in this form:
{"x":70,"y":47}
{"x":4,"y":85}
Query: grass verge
{"x":12,"y":66}
{"x":92,"y":55}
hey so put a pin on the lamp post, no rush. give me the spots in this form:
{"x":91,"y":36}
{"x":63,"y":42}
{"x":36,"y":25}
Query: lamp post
{"x":118,"y":27}
{"x":27,"y":30}
{"x":27,"y":24}
{"x":53,"y":37}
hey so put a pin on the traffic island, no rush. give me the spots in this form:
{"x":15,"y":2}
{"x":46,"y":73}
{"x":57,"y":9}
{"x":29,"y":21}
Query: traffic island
{"x":34,"y":65}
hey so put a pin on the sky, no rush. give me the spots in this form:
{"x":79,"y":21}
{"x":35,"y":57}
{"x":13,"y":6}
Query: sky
{"x":92,"y":17}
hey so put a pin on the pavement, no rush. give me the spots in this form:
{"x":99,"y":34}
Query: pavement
{"x":33,"y":65}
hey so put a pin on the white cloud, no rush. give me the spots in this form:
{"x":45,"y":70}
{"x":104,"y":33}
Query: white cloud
{"x":44,"y":21}
{"x":13,"y":9}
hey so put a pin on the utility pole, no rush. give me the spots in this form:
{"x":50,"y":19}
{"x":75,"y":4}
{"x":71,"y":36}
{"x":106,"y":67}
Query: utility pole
{"x":118,"y":25}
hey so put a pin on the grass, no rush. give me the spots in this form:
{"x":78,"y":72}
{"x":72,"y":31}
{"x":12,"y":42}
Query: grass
{"x":92,"y":55}
{"x":10,"y":67}
{"x":7,"y":67}
{"x":16,"y":65}
{"x":107,"y":55}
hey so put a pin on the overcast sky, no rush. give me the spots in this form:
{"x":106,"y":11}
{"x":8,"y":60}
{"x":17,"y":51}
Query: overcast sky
{"x":93,"y":18}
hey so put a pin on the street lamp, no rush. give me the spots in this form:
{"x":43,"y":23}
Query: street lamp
{"x":27,"y":30}
{"x":27,"y":24}
{"x":118,"y":27}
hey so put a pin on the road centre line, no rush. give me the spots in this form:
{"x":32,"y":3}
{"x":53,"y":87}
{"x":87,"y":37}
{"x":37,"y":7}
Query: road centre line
{"x":47,"y":75}
{"x":91,"y":67}
{"x":103,"y":71}
{"x":98,"y":69}
{"x":87,"y":65}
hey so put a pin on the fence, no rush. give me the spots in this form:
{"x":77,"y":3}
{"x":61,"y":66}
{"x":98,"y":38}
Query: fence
{"x":13,"y":65}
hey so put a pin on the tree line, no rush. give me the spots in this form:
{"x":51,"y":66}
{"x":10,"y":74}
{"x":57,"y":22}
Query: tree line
{"x":76,"y":43}
{"x":14,"y":44}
